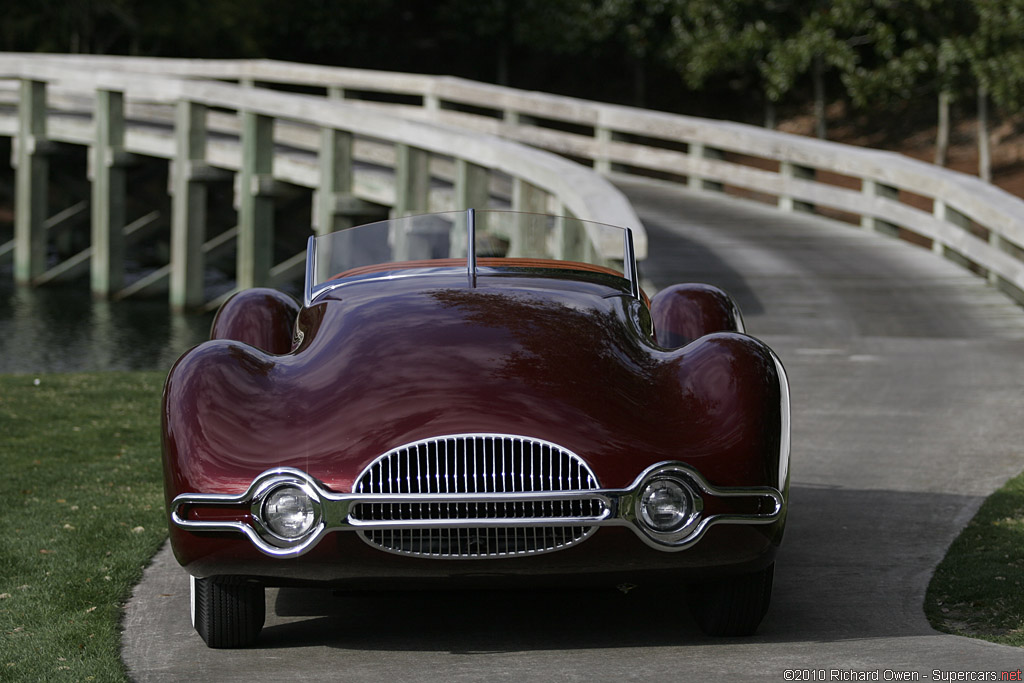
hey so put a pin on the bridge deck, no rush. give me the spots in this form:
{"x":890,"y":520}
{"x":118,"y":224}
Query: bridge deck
{"x":906,"y":377}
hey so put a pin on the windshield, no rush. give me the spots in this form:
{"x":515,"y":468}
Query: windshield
{"x":473,"y":241}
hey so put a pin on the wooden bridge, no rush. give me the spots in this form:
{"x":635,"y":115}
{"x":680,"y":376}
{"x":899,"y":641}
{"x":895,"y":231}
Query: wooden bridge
{"x":363,"y":144}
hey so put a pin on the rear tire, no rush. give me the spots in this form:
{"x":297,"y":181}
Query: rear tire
{"x":226,"y":612}
{"x":732,"y":606}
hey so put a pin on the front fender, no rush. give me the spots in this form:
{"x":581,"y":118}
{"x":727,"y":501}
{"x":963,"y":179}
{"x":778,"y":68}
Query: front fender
{"x":730,"y":409}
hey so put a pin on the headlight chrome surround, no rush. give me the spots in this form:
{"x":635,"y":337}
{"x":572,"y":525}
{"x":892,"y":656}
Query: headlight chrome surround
{"x":667,"y":506}
{"x":288,"y":512}
{"x":269,"y":528}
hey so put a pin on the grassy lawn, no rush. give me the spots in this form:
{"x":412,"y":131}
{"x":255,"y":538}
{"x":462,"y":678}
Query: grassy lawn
{"x":978,"y":589}
{"x":82,"y":513}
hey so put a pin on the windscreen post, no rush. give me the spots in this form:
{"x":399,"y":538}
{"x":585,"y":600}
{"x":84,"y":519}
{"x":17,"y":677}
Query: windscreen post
{"x":310,"y":269}
{"x":629,"y":263}
{"x":471,"y":246}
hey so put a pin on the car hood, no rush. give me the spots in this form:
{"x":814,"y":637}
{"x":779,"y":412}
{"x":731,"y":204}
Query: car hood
{"x":377,"y":368}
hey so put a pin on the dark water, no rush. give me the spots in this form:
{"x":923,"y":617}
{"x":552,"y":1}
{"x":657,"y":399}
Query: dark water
{"x":61,"y":329}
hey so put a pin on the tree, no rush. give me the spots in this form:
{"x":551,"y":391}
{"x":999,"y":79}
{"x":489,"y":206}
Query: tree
{"x":553,"y":26}
{"x":822,"y":42}
{"x":910,"y":49}
{"x":728,"y":39}
{"x":76,"y":26}
{"x":996,"y":55}
{"x":773,"y":44}
{"x":643,"y":27}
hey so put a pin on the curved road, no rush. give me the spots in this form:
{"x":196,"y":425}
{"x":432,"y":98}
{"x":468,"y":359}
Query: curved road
{"x":907,"y":377}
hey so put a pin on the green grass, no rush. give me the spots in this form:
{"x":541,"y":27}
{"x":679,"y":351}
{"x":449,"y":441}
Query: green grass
{"x":81,"y":513}
{"x":978,"y":589}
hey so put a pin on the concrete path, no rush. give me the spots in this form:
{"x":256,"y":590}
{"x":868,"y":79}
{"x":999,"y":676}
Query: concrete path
{"x":908,"y":390}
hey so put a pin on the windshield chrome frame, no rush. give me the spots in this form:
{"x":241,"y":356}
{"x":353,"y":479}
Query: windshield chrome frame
{"x":471,"y":246}
{"x":307,"y":295}
{"x":629,"y":264}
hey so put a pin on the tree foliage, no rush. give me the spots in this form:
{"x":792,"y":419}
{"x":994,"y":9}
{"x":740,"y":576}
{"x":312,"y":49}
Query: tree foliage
{"x":870,"y":52}
{"x":995,"y":50}
{"x":908,"y":49}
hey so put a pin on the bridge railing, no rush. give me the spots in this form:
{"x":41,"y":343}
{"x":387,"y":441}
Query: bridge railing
{"x":961,"y":217}
{"x":971,"y":222}
{"x":210,"y":129}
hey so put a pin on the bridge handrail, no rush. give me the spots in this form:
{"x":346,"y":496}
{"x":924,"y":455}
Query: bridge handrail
{"x":972,"y":222}
{"x":576,"y":189}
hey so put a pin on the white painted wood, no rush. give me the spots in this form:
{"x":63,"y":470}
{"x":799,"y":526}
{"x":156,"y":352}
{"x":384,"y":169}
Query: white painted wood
{"x":597,"y":133}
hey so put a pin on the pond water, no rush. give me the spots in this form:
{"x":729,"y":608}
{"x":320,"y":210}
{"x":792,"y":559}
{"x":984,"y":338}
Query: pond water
{"x":62,"y":329}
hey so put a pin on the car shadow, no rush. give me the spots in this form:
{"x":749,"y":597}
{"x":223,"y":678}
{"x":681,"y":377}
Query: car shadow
{"x":855,"y":564}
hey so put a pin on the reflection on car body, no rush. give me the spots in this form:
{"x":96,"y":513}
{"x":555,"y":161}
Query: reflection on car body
{"x":476,"y":394}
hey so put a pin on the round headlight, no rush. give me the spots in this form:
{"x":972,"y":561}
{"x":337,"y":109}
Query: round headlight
{"x":666,"y":505}
{"x":289,"y":512}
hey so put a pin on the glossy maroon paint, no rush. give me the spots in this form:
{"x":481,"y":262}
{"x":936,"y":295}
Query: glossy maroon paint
{"x":380,"y":364}
{"x":685,"y":312}
{"x":260,"y":317}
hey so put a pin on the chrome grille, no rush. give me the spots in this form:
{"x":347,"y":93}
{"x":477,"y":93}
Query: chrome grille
{"x":478,"y":464}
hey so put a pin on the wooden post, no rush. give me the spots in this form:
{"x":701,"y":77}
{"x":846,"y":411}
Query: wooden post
{"x":603,"y":160}
{"x":527,"y":197}
{"x":529,"y":238}
{"x":570,"y":237}
{"x":188,"y":207}
{"x":335,"y":181}
{"x":472,"y":185}
{"x":412,"y":180}
{"x":336,"y":162}
{"x":995,"y":240}
{"x":789,"y":172}
{"x":984,"y":148}
{"x":412,"y":192}
{"x":31,"y":184}
{"x":871,"y":189}
{"x":108,"y":195}
{"x":698,"y":150}
{"x":255,"y":202}
{"x":335,"y":185}
{"x":472,"y":191}
{"x":947,"y":214}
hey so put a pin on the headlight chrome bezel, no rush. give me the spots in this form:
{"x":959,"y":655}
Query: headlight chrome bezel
{"x":260,"y":518}
{"x":674,"y":481}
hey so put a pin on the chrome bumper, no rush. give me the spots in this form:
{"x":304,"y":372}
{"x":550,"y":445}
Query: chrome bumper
{"x":340,"y":511}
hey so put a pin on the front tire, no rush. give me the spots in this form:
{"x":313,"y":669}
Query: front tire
{"x":732,"y":606}
{"x":227,"y":613}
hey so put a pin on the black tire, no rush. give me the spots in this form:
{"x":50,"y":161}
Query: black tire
{"x":227,"y":613}
{"x":732,"y":606}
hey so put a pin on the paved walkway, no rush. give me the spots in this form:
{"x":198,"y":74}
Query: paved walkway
{"x":907,"y":377}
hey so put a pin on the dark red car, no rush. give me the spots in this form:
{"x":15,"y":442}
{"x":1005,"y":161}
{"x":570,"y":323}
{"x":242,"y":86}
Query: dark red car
{"x":478,"y":399}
